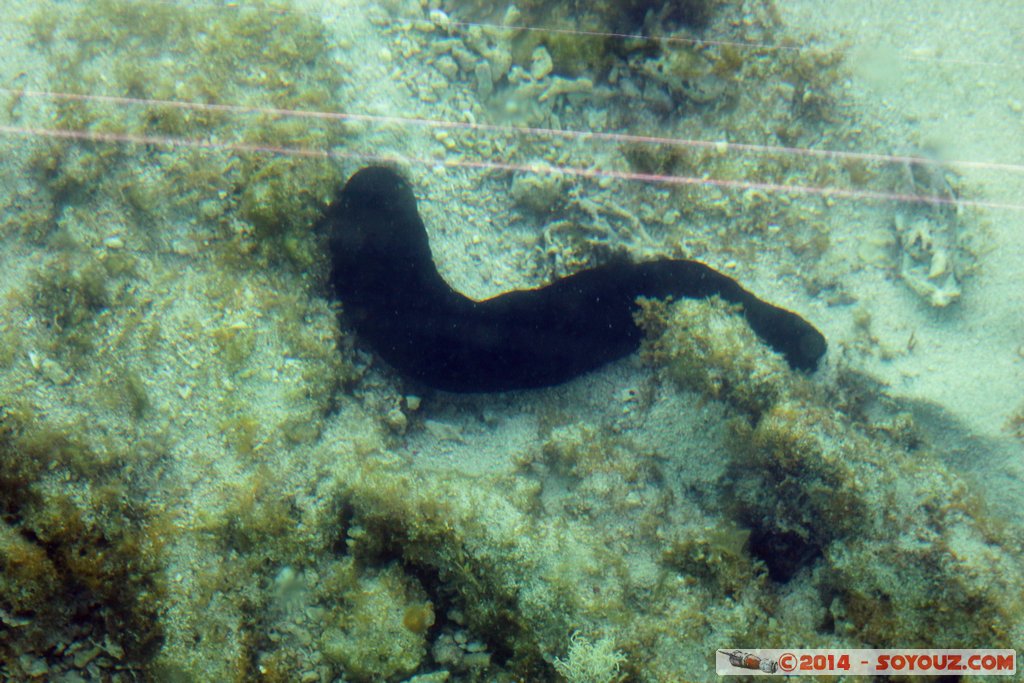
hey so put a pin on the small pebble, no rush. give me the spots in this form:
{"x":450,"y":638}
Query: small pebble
{"x":484,"y":79}
{"x":477,"y":660}
{"x":440,"y":19}
{"x":540,"y":63}
{"x":84,"y":657}
{"x":52,"y":371}
{"x":33,"y":666}
{"x":396,"y":420}
{"x":113,"y":649}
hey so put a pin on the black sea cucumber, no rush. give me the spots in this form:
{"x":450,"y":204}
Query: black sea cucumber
{"x":384,"y":274}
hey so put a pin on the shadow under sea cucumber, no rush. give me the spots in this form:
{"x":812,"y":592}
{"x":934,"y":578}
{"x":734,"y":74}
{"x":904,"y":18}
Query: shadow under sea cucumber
{"x":383,"y":272}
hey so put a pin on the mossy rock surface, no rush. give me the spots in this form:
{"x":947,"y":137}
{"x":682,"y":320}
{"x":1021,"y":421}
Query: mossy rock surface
{"x":224,"y":99}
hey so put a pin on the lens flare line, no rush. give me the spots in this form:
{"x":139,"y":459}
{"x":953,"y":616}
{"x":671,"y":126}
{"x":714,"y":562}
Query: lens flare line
{"x":589,"y":173}
{"x":577,"y":135}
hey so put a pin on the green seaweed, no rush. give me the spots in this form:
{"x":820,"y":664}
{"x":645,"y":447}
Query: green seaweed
{"x":75,"y":547}
{"x":821,"y":490}
{"x":372,"y":635}
{"x":277,"y":196}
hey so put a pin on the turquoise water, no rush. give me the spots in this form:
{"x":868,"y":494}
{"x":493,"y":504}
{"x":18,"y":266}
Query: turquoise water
{"x":206,"y":473}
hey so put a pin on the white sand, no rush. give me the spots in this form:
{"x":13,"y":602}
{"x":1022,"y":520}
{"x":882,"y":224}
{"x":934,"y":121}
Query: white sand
{"x":949,"y":75}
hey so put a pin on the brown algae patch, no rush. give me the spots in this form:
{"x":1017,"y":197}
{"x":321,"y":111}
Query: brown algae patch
{"x":890,"y":532}
{"x":190,"y":75}
{"x":168,"y":345}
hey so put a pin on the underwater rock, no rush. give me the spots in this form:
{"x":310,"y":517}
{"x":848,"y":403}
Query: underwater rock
{"x":887,"y":532}
{"x":929,"y":237}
